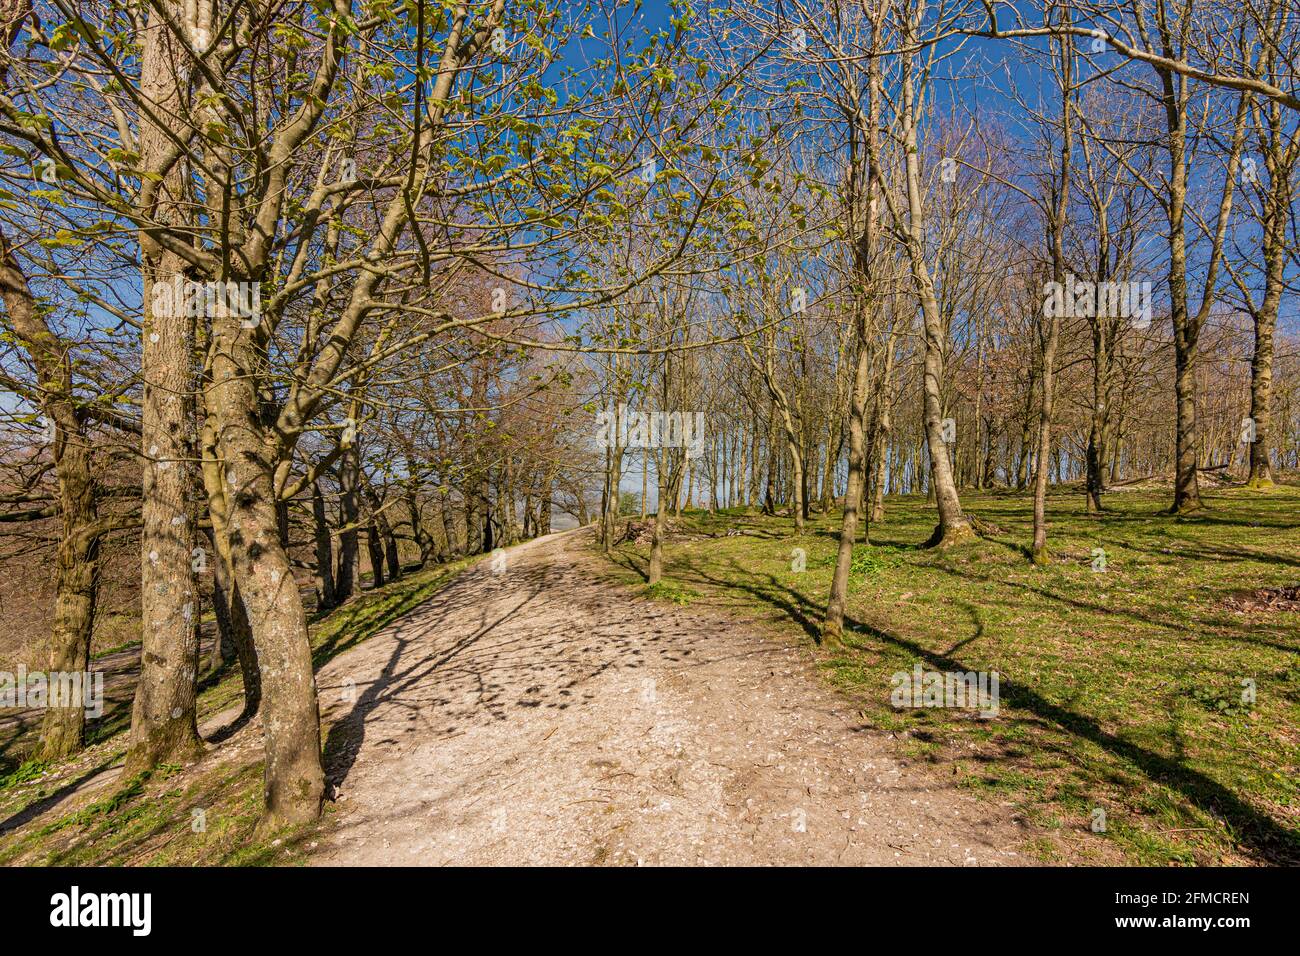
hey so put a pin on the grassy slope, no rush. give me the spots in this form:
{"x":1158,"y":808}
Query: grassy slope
{"x":151,"y":821}
{"x":1121,"y":690}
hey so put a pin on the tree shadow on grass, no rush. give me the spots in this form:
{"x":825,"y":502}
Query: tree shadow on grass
{"x":625,"y":559}
{"x":1129,"y":615}
{"x":1254,"y":831}
{"x":38,"y":807}
{"x":1200,"y":552}
{"x":792,"y":606}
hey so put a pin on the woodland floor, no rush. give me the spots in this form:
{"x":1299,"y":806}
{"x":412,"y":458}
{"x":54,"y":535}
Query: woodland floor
{"x":556,"y":711}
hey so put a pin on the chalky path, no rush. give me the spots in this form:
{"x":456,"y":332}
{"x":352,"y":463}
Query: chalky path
{"x":538,"y":715}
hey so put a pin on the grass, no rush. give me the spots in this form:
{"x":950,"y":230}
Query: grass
{"x":117,"y":648}
{"x":26,"y":771}
{"x":178,"y":816}
{"x":1124,"y":690}
{"x":668,"y":591}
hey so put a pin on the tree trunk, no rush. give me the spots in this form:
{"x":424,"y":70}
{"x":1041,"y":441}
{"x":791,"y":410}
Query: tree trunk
{"x":449,"y":530}
{"x":293,"y":777}
{"x":423,"y":540}
{"x":828,"y":468}
{"x":613,"y":476}
{"x":325,"y":596}
{"x":1023,"y":460}
{"x":779,"y":402}
{"x":345,"y":580}
{"x":832,"y":633}
{"x":544,"y":507}
{"x":375,"y":551}
{"x":1188,"y":323}
{"x":163,"y":718}
{"x":1096,"y":454}
{"x":1265,"y":322}
{"x":656,"y":569}
{"x":769,"y":492}
{"x":953,"y":525}
{"x":1057,"y":206}
{"x":234,"y":633}
{"x":390,"y":566}
{"x":63,"y":731}
{"x":392,"y":556}
{"x":1187,"y":492}
{"x":798,"y":482}
{"x":883,"y":429}
{"x":1040,"y":552}
{"x":487,"y":540}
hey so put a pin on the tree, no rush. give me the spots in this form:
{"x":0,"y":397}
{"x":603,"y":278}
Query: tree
{"x":163,"y":720}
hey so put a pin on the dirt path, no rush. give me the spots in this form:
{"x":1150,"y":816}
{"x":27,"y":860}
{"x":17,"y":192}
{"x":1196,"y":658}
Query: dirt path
{"x":541,"y":716}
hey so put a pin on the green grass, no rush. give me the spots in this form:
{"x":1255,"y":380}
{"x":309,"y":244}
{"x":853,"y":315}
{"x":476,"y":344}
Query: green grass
{"x":668,"y":591}
{"x":1120,"y":690}
{"x":125,"y":645}
{"x":25,"y":772}
{"x":172,"y":817}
